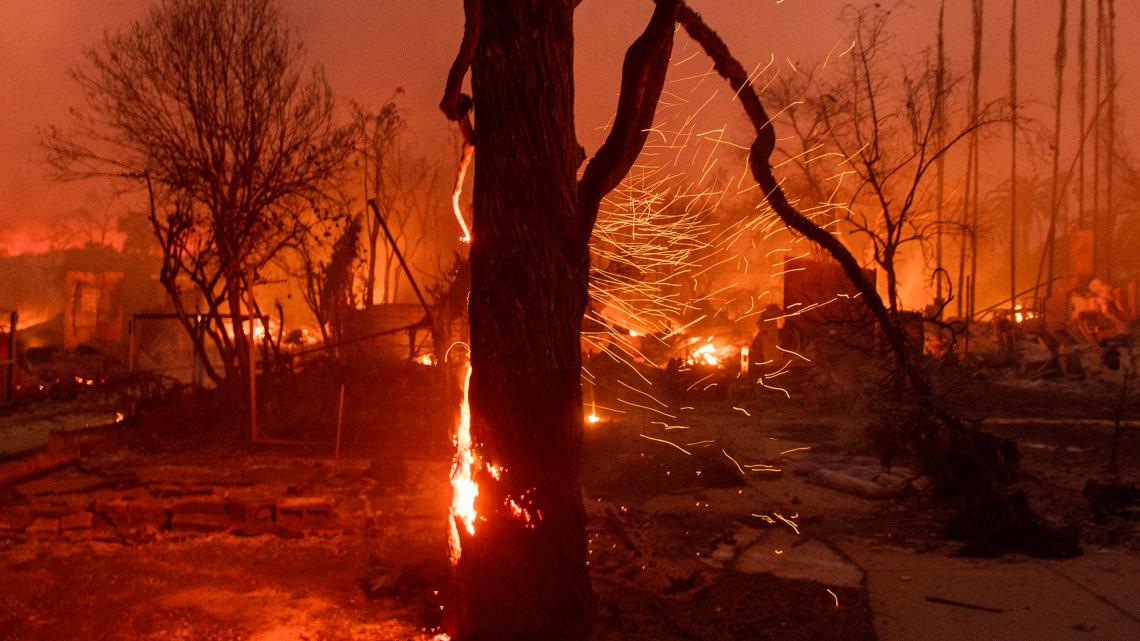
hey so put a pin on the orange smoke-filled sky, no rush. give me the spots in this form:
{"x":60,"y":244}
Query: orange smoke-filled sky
{"x":370,"y":47}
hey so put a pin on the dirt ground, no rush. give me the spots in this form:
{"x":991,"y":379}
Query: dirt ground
{"x":730,"y":539}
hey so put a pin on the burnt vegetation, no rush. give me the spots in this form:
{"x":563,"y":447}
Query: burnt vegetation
{"x":566,"y":380}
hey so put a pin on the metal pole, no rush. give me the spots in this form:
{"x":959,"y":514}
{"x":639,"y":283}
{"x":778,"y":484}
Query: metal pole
{"x":400,"y":256}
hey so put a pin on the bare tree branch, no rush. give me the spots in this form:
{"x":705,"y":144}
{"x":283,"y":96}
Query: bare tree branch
{"x":206,"y":105}
{"x":643,"y":77}
{"x":455,"y":104}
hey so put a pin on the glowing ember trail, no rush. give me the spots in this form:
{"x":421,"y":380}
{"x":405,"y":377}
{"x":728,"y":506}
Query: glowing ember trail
{"x":464,"y":162}
{"x":463,"y":486}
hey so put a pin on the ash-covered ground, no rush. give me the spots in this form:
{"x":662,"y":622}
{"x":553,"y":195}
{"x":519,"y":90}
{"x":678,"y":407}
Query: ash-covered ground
{"x":772,"y":523}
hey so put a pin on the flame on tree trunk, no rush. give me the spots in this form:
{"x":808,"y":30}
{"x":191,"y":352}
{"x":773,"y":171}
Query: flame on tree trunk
{"x":518,"y":523}
{"x":528,"y":293}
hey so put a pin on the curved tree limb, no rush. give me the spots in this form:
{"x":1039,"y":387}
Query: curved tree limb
{"x":642,"y":79}
{"x":455,"y":104}
{"x":759,"y":161}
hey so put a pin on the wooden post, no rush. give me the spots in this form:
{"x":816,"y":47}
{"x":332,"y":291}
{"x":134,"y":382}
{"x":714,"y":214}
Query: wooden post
{"x":339,"y":422}
{"x":197,"y":367}
{"x":252,"y":361}
{"x":131,"y":345}
{"x":10,"y":392}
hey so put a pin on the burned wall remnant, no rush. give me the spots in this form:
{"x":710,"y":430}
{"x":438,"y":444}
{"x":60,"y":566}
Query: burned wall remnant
{"x":93,"y":308}
{"x":821,"y":306}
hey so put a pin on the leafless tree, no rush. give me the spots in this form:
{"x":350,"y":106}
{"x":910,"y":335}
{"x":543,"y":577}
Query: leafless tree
{"x":975,"y":463}
{"x":208,"y":107}
{"x":804,"y":146}
{"x":327,"y":285}
{"x":414,"y":204}
{"x":410,"y":193}
{"x":376,"y":135}
{"x":93,"y":226}
{"x":884,"y":123}
{"x":138,"y":235}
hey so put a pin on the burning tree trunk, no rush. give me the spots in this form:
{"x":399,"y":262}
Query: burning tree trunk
{"x":518,"y":522}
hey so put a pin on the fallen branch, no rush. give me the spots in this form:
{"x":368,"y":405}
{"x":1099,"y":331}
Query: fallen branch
{"x":962,"y":604}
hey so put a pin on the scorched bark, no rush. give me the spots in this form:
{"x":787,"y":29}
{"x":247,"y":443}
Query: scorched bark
{"x":522,"y":574}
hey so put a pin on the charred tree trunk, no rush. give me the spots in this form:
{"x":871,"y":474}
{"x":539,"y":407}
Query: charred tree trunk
{"x":940,"y":189}
{"x":1013,"y":161}
{"x":528,"y":294}
{"x":967,"y":251}
{"x":1082,"y":107}
{"x":520,"y":571}
{"x":975,"y":162}
{"x":237,"y":363}
{"x":1056,"y":194}
{"x":1109,"y":245}
{"x":1098,"y":130}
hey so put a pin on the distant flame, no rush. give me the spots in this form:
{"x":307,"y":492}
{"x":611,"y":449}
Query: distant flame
{"x":463,"y":486}
{"x":704,"y":355}
{"x":592,"y":418}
